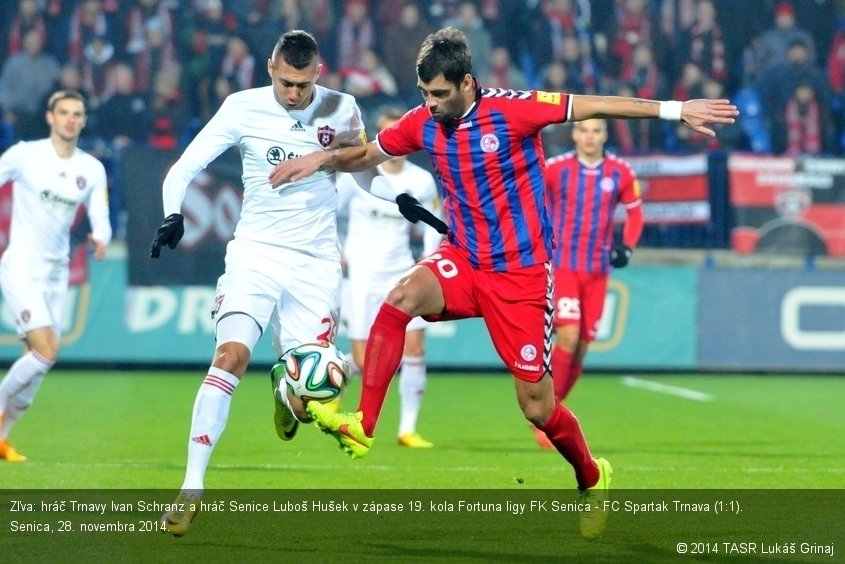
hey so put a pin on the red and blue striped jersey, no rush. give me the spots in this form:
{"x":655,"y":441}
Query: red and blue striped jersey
{"x":582,"y":202}
{"x":490,"y":170}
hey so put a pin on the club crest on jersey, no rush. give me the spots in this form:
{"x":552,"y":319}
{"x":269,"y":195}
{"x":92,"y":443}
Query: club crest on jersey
{"x":275,"y":155}
{"x":528,"y":353}
{"x":325,"y":135}
{"x":607,"y":184}
{"x":81,"y":182}
{"x":489,"y":143}
{"x":26,"y":315}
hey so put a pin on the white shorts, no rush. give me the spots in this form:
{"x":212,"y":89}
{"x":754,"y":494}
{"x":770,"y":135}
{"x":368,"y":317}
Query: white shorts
{"x":35,"y":294}
{"x":362,"y":298}
{"x":295,"y":294}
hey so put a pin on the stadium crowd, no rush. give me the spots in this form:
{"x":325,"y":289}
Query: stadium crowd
{"x":154,"y":71}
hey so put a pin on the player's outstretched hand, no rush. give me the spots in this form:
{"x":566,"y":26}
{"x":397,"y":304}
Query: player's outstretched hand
{"x":170,"y":233}
{"x":413,"y":211}
{"x":292,"y":170}
{"x":620,"y":255}
{"x":695,"y":114}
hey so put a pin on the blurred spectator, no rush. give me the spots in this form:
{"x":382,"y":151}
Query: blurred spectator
{"x":836,"y":79}
{"x":204,"y":43}
{"x":355,"y":33}
{"x":634,"y":28}
{"x":27,"y":18}
{"x":805,"y":122}
{"x":70,"y":78}
{"x":98,"y":64}
{"x":370,"y":79}
{"x":632,"y":136}
{"x":503,"y":73}
{"x":691,"y":83}
{"x":441,"y":11}
{"x":123,"y":118}
{"x":752,"y":119}
{"x":87,"y":22}
{"x":292,"y":16}
{"x":581,"y":70}
{"x":676,"y":16}
{"x":645,"y":77}
{"x":263,"y":24}
{"x":323,"y":16}
{"x":170,"y":113}
{"x":562,"y":23}
{"x":775,"y":42}
{"x":778,"y":84}
{"x":702,"y":43}
{"x":557,"y":137}
{"x":150,"y":43}
{"x":728,"y":137}
{"x":239,"y":65}
{"x":470,"y":22}
{"x":507,"y":22}
{"x":400,"y":50}
{"x":25,"y":80}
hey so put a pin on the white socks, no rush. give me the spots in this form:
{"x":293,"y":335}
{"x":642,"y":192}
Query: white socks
{"x":18,"y":388}
{"x":411,"y":389}
{"x":211,"y":411}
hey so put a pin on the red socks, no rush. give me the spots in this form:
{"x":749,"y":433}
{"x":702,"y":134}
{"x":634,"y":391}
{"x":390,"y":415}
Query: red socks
{"x":381,"y":361}
{"x":564,"y":372}
{"x":561,"y":361}
{"x":563,"y":430}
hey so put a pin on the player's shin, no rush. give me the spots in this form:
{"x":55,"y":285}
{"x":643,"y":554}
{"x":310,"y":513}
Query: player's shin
{"x":565,"y":433}
{"x":384,"y":353}
{"x":211,"y":412}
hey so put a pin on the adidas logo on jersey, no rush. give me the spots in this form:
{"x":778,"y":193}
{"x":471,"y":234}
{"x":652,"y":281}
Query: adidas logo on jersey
{"x":297,"y":127}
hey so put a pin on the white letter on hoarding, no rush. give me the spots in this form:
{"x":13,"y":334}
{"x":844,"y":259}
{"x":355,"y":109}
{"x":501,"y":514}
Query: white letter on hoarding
{"x":149,"y":308}
{"x":790,"y":318}
{"x":197,"y":303}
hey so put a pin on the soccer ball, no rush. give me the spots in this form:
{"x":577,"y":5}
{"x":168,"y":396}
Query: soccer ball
{"x":316,"y":371}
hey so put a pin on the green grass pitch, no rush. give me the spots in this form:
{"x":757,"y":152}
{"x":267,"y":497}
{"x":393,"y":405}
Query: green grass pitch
{"x":711,"y":438}
{"x":129,"y":430}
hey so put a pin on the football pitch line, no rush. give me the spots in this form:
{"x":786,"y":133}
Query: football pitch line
{"x":659,"y":388}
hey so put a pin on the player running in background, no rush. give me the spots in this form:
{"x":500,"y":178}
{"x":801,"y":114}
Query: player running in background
{"x":583,"y":188}
{"x":283,"y":265}
{"x":485,"y":147}
{"x":377,"y":252}
{"x":51,"y":178}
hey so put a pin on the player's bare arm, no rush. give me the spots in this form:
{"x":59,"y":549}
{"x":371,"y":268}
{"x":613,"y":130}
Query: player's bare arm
{"x":346,"y":159}
{"x":695,"y":114}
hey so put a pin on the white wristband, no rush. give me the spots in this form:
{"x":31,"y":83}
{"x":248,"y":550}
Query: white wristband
{"x":671,"y":110}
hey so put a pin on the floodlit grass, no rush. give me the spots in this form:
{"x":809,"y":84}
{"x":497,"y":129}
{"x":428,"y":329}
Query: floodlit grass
{"x":130,"y":430}
{"x":764,"y":455}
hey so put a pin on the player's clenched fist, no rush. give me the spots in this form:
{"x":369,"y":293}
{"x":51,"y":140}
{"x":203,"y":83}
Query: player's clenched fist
{"x":413,"y":211}
{"x":170,"y":233}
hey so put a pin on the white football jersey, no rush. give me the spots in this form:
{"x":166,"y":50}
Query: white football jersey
{"x":299,"y":216}
{"x":47,"y":191}
{"x":378,"y":238}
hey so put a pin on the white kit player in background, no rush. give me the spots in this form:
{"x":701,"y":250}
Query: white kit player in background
{"x":283,"y":264}
{"x":51,"y":178}
{"x":377,"y":250}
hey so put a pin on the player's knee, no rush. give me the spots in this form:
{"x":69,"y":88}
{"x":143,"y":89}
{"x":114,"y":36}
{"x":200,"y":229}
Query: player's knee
{"x":232,"y":357}
{"x":566,"y":338}
{"x":402,"y":298}
{"x":535,"y":413}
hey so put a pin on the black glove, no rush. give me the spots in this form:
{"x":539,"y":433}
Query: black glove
{"x":170,"y":233}
{"x":620,"y":255}
{"x":413,"y":211}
